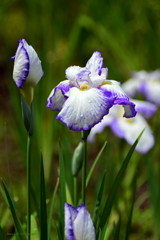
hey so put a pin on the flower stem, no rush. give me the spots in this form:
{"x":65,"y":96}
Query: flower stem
{"x":84,"y":166}
{"x":75,"y":191}
{"x":29,"y":187}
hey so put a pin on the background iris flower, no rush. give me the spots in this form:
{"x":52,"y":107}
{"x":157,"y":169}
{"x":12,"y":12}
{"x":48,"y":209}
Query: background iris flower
{"x":145,"y":83}
{"x":129,"y":129}
{"x":86,"y":97}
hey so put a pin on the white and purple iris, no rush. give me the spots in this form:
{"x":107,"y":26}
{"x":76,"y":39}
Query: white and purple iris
{"x":86,"y":97}
{"x":145,"y":83}
{"x":129,"y":129}
{"x":27,"y":65}
{"x":78,"y":223}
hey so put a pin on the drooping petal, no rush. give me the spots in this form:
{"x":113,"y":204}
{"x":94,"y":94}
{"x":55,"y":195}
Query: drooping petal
{"x":120,"y":97}
{"x":70,"y":215}
{"x":58,"y":96}
{"x":35,"y":71}
{"x":83,"y":225}
{"x":21,"y":65}
{"x":147,"y":109}
{"x":83,"y":109}
{"x":130,"y":129}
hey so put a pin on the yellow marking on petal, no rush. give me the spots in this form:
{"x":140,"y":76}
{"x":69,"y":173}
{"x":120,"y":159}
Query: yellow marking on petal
{"x":129,"y":120}
{"x":106,"y":82}
{"x":84,"y":86}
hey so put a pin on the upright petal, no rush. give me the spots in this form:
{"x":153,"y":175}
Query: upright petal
{"x":95,"y":63}
{"x":35,"y":71}
{"x":120,"y":97}
{"x":76,"y":74}
{"x":83,"y":109}
{"x":83,"y":225}
{"x":21,"y":65}
{"x":58,"y":96}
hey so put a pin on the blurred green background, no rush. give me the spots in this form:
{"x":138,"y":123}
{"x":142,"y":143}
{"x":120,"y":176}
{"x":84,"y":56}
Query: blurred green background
{"x":66,"y":33}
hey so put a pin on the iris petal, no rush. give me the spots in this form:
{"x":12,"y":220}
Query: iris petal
{"x":58,"y":96}
{"x":83,"y":109}
{"x":120,"y":97}
{"x":21,"y":65}
{"x":83,"y":225}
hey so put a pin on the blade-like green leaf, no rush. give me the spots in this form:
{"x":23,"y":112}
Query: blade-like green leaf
{"x":98,"y":201}
{"x":131,"y":209}
{"x":34,"y":229}
{"x":95,"y":163}
{"x":110,"y":201}
{"x":43,"y":212}
{"x":117,"y":230}
{"x":62,"y":194}
{"x":50,"y":219}
{"x":19,"y":230}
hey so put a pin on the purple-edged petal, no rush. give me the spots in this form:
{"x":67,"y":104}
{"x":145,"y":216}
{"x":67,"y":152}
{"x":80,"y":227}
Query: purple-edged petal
{"x":35,"y":71}
{"x":83,"y":225}
{"x":58,"y":96}
{"x":130,"y":129}
{"x":120,"y":97}
{"x":147,"y":109}
{"x":70,"y":215}
{"x":76,"y":74}
{"x":95,"y":63}
{"x":83,"y":109}
{"x":21,"y":65}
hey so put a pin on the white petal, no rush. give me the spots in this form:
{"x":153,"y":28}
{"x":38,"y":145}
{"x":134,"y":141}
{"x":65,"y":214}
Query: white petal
{"x":95,"y":63}
{"x":70,"y":215}
{"x":57,"y":96}
{"x":35,"y":71}
{"x":83,"y":225}
{"x":75,"y":74}
{"x":21,"y":65}
{"x":130,"y":130}
{"x":83,"y":109}
{"x":131,"y":87}
{"x":152,"y":92}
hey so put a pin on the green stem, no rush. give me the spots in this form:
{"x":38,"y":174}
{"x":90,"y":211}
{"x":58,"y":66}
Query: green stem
{"x":84,"y":166}
{"x":75,"y":191}
{"x":29,"y":187}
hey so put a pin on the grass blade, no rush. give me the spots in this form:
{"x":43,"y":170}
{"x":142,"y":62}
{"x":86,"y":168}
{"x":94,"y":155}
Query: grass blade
{"x":20,"y":233}
{"x":131,"y":209}
{"x":95,"y":163}
{"x":62,"y":194}
{"x":43,"y":212}
{"x":110,"y":201}
{"x":52,"y":209}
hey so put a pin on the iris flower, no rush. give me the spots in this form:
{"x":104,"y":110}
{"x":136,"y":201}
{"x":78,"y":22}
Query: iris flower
{"x":145,"y":83}
{"x":27,"y":69}
{"x":86,"y":96}
{"x":129,"y":129}
{"x":78,"y":223}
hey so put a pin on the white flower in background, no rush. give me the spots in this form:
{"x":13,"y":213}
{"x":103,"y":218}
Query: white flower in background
{"x":78,"y":223}
{"x":129,"y":129}
{"x":145,"y":83}
{"x":86,"y":97}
